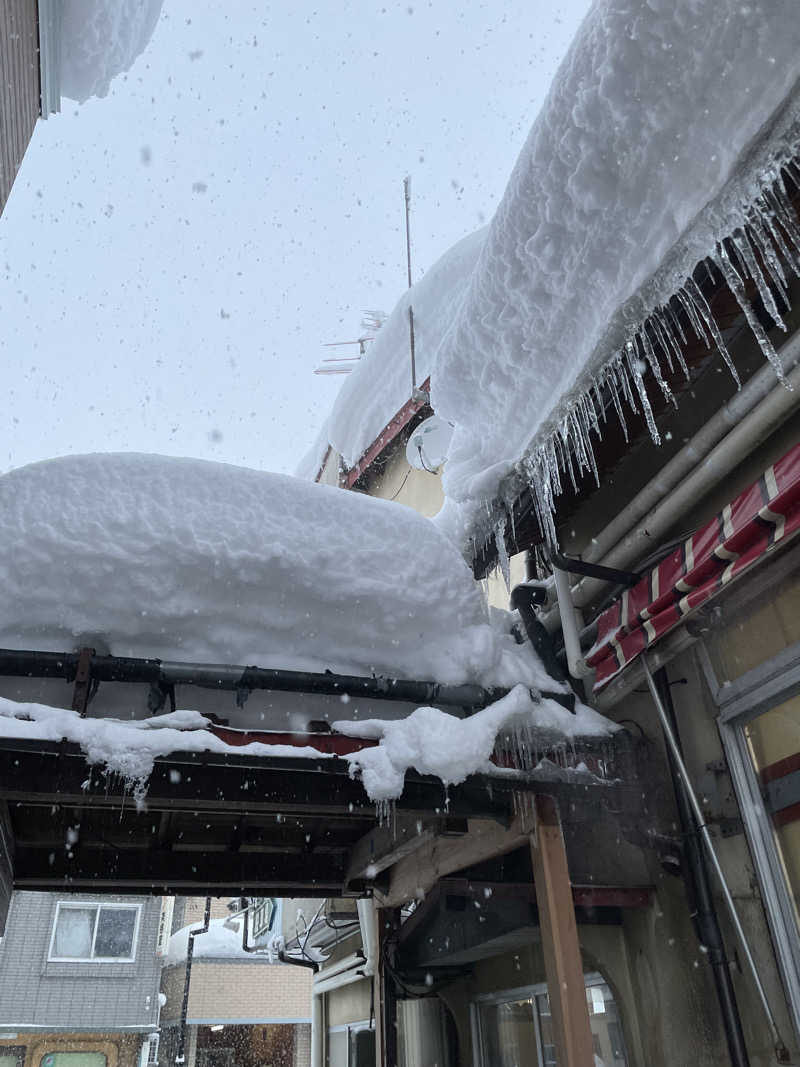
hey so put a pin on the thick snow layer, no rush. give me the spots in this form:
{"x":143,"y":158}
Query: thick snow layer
{"x":101,"y":39}
{"x":644,"y":123}
{"x":380,"y":385}
{"x":433,"y":742}
{"x":191,"y":560}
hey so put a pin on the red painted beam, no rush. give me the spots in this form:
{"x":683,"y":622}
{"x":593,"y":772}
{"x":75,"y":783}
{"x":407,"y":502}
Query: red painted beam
{"x":606,"y":896}
{"x":329,"y":744}
{"x":386,"y":436}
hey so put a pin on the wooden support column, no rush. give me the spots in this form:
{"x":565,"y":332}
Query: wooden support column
{"x":388,"y":921}
{"x":562,"y":957}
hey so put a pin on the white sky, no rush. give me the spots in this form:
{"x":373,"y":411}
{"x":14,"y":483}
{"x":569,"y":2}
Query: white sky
{"x":175,"y":255}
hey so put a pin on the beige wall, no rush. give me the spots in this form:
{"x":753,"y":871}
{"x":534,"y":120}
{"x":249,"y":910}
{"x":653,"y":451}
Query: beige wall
{"x":228,"y":991}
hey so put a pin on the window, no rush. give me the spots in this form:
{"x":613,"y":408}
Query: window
{"x":759,"y":724}
{"x":514,"y":1029}
{"x":99,"y":932}
{"x":12,"y":1055}
{"x":73,"y":1059}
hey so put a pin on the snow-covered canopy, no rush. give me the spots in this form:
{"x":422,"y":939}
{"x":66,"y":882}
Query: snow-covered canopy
{"x":100,"y":39}
{"x":185,"y":559}
{"x":653,"y":144}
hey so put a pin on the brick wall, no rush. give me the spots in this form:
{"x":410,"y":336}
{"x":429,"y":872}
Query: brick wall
{"x":230,"y":990}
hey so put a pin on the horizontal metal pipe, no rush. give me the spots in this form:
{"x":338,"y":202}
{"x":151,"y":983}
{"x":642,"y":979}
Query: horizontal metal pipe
{"x":32,"y":664}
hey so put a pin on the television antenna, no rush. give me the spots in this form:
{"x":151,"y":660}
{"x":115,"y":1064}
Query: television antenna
{"x":342,"y":364}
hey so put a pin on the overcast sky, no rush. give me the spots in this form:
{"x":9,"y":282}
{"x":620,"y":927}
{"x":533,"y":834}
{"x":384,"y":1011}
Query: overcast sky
{"x":175,"y":255}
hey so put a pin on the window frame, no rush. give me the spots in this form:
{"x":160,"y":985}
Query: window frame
{"x":74,"y":905}
{"x":526,"y":992}
{"x":738,"y":703}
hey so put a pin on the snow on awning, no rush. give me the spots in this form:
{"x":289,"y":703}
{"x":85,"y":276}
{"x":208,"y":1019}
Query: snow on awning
{"x":760,"y":519}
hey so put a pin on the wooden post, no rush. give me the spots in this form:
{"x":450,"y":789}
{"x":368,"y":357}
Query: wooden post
{"x":562,"y":957}
{"x":388,"y":920}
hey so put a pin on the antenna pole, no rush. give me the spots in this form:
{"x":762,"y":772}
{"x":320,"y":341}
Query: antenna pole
{"x":407,"y":194}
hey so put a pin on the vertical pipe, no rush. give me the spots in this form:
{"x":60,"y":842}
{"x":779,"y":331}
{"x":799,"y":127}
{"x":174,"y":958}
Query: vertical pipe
{"x":179,"y":1057}
{"x":701,"y":899}
{"x":781,"y":1052}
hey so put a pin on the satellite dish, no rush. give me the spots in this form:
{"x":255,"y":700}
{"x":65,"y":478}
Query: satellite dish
{"x":428,"y":445}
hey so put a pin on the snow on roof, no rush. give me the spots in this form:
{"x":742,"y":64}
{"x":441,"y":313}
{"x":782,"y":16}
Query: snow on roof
{"x":652,"y":146}
{"x":644,"y":124}
{"x":381,"y":382}
{"x":184,"y":559}
{"x":101,"y":39}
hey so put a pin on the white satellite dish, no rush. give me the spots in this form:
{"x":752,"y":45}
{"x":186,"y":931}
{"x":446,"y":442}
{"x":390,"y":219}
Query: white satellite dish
{"x":428,"y":445}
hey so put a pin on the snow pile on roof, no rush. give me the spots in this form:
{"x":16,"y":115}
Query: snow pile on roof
{"x":381,"y":382}
{"x":644,"y":124}
{"x":101,"y":39}
{"x":433,"y":742}
{"x":661,"y":135}
{"x":191,"y":560}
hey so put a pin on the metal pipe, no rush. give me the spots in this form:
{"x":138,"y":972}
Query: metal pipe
{"x":578,"y":667}
{"x":179,"y":1056}
{"x":727,"y":438}
{"x":34,"y":664}
{"x":781,"y":1052}
{"x":701,"y":899}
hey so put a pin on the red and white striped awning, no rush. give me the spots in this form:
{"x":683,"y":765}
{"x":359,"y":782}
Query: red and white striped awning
{"x":757,"y":521}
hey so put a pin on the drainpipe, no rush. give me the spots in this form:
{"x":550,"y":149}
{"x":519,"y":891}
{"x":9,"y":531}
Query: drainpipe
{"x":781,"y":1051}
{"x":570,"y":626}
{"x":701,"y":901}
{"x":725,"y":440}
{"x":179,"y":1057}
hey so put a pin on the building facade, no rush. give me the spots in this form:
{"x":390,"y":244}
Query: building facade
{"x":243,"y":1009}
{"x":80,"y":979}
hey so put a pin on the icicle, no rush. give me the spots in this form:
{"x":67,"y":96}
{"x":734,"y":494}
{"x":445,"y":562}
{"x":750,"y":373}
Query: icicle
{"x":741,"y":242}
{"x":675,"y":320}
{"x":686,"y":302}
{"x":736,"y":286}
{"x":696,"y":295}
{"x":760,"y":239}
{"x":662,"y":327}
{"x":775,"y":227}
{"x":613,"y":387}
{"x":655,"y":366}
{"x":502,"y":553}
{"x":638,"y":381}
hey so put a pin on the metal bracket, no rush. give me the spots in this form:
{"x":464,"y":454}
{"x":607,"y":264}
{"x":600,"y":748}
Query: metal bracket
{"x":593,"y":570}
{"x":83,"y":681}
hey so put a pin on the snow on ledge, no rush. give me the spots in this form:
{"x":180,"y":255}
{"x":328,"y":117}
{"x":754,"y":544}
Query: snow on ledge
{"x":130,"y":749}
{"x":429,"y":740}
{"x":434,"y":742}
{"x":100,"y":39}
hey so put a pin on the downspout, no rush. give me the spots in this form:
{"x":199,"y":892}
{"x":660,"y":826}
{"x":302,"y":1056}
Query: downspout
{"x":714,"y":451}
{"x":701,"y":901}
{"x":179,"y":1057}
{"x":781,"y":1051}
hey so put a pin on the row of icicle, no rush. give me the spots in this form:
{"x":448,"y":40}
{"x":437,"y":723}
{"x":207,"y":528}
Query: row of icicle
{"x":763,"y":250}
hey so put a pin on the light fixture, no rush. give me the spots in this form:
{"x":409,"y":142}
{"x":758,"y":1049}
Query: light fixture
{"x":219,"y":1026}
